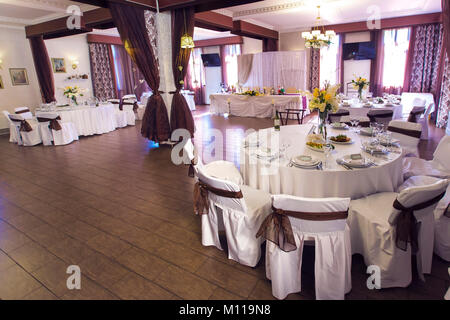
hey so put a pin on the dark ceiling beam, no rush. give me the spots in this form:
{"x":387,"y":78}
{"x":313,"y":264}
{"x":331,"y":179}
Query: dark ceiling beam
{"x":201,"y":5}
{"x":97,"y":18}
{"x":97,"y":3}
{"x":145,"y":4}
{"x":214,"y":21}
{"x":246,"y":29}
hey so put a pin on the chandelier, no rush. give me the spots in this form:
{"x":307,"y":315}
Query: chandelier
{"x":186,"y":40}
{"x":318,"y":38}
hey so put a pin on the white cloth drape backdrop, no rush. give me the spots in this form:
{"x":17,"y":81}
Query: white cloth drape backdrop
{"x":278,"y":68}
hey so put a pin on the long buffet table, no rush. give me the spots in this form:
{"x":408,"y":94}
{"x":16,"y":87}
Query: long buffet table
{"x":253,"y":106}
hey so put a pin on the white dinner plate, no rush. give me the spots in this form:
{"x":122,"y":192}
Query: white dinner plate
{"x":361,"y":163}
{"x":337,"y":142}
{"x":339,"y":126}
{"x":305,"y":161}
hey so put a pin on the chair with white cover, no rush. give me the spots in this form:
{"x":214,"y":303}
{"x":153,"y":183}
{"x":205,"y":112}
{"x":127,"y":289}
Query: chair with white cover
{"x":408,"y":133}
{"x":420,"y":114}
{"x":53,"y":129}
{"x":380,"y":116}
{"x":387,"y":228}
{"x":121,"y":120}
{"x":129,"y":107}
{"x":294,"y":222}
{"x":239,"y":210}
{"x":438,"y":167}
{"x":27,"y":131}
{"x":24,"y":112}
{"x":219,"y":169}
{"x":441,"y":217}
{"x":14,"y":136}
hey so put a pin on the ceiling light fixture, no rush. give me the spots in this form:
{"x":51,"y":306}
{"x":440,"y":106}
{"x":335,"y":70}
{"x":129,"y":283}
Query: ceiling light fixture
{"x":318,"y":38}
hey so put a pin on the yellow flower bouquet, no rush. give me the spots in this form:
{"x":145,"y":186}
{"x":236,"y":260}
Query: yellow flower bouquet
{"x":360,"y":84}
{"x":324,"y":100}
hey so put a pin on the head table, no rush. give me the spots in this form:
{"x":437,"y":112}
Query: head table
{"x":278,"y":177}
{"x":88,"y":120}
{"x":253,"y":106}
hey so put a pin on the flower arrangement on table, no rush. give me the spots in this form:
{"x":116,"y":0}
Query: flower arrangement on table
{"x":251,"y":93}
{"x":324,"y":100}
{"x":360,"y":84}
{"x":73,"y":93}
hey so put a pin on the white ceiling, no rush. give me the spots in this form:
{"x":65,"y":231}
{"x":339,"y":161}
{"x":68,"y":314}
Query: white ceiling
{"x":280,"y":15}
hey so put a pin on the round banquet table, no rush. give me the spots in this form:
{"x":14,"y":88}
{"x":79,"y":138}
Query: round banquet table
{"x":277,"y":177}
{"x":88,"y":120}
{"x":359,"y":110}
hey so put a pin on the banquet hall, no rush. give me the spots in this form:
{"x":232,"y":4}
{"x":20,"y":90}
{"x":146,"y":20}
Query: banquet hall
{"x":224,"y":150}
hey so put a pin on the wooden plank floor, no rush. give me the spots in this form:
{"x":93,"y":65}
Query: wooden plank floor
{"x":117,"y":207}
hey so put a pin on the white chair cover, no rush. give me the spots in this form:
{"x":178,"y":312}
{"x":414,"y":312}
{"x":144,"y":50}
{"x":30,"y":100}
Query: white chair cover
{"x":423,"y":120}
{"x":220,"y":169}
{"x":13,"y":133}
{"x":240,"y":218}
{"x":372,"y":222}
{"x":31,"y":138}
{"x":26,"y":115}
{"x":441,"y":222}
{"x":439,"y":167}
{"x":409,"y":144}
{"x":332,"y":250}
{"x":130,"y":115}
{"x":66,"y":135}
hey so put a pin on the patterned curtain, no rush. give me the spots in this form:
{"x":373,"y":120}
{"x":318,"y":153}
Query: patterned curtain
{"x":102,"y":71}
{"x":314,"y":71}
{"x":444,"y":101}
{"x":425,"y":62}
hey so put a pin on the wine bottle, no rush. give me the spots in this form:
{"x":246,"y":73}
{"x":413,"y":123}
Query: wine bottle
{"x":276,"y":122}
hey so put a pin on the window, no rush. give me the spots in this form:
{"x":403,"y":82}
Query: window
{"x":231,"y":68}
{"x":195,"y":63}
{"x":396,"y":44}
{"x":329,"y":66}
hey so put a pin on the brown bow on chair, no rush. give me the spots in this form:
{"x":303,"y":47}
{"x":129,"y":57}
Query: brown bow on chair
{"x":277,"y":226}
{"x":201,"y":190}
{"x":54,"y":124}
{"x":407,"y":226}
{"x":24,"y":125}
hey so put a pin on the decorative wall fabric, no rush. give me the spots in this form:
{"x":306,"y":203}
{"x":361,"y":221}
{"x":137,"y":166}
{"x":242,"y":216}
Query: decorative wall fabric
{"x":245,"y":62}
{"x":279,"y":68}
{"x":180,"y":115}
{"x":132,"y":26}
{"x":43,"y":69}
{"x":314,"y":69}
{"x":444,"y":101}
{"x":425,"y":64}
{"x":445,"y":5}
{"x":102,"y":71}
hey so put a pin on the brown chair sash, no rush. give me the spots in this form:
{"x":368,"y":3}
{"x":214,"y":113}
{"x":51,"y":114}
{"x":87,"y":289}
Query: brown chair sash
{"x":406,"y":132}
{"x":201,"y":190}
{"x":277,"y":227}
{"x":407,"y":226}
{"x":54,"y":124}
{"x":22,"y":111}
{"x":24,"y":125}
{"x":415,"y":113}
{"x":384,"y":114}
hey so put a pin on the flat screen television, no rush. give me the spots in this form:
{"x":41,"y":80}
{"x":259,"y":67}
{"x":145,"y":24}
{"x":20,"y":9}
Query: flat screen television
{"x":359,"y":51}
{"x":211,"y":59}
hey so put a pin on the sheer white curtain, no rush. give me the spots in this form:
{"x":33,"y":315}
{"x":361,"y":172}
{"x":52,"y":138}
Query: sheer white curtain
{"x":329,"y":64}
{"x":231,"y":66}
{"x":396,"y":44}
{"x":278,"y":68}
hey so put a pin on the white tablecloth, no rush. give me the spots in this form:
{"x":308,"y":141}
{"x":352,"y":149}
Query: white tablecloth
{"x":357,"y":110}
{"x":88,"y":120}
{"x":258,"y":106}
{"x":277,"y":177}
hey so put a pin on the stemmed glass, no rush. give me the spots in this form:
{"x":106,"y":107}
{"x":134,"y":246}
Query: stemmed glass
{"x":354,"y":122}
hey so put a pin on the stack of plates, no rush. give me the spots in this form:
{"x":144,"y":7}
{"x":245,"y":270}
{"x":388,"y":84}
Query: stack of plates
{"x":339,"y":125}
{"x":305,"y":162}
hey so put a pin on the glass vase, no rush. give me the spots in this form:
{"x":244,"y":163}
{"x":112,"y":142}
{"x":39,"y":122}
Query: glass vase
{"x":323,"y":124}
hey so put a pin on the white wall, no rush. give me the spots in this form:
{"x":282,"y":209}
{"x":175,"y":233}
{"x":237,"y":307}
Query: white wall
{"x":251,"y":45}
{"x":73,"y":47}
{"x":15,"y":52}
{"x":356,"y":68}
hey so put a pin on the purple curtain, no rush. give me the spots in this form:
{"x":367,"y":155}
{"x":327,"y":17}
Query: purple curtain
{"x":376,"y":78}
{"x":128,"y":77}
{"x":425,"y":61}
{"x":180,"y":115}
{"x":314,"y":71}
{"x":102,"y":71}
{"x":130,"y":22}
{"x":446,"y":24}
{"x":43,"y":69}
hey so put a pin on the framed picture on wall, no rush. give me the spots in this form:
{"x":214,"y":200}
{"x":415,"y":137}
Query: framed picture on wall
{"x":59,"y":65}
{"x":19,"y":76}
{"x":1,"y":83}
